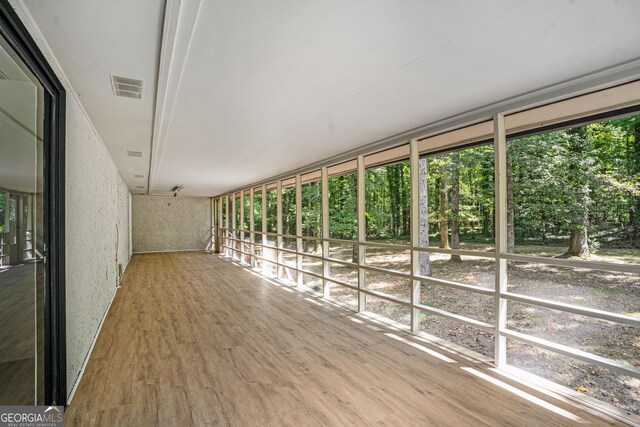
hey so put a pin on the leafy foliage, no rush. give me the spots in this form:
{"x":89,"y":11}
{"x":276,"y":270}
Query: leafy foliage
{"x":585,"y":178}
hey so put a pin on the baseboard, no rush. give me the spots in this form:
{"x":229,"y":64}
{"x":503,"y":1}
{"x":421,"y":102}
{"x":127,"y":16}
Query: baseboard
{"x":88,"y":356}
{"x":169,"y":250}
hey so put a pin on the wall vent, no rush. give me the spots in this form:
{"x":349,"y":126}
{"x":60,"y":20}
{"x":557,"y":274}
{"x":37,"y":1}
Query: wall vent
{"x":140,"y":187}
{"x":127,"y":87}
{"x":134,"y":153}
{"x":138,"y":176}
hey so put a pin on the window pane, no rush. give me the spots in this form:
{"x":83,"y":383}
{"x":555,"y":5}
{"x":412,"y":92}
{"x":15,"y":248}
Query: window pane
{"x":600,"y":383}
{"x":471,"y":338}
{"x":458,"y":301}
{"x":272,"y":212}
{"x":398,"y":287}
{"x":604,"y":290}
{"x":313,"y":265}
{"x":312,"y":209}
{"x":391,"y":310}
{"x":389,"y":258}
{"x":343,"y":207}
{"x":247,"y":219}
{"x":257,"y":212}
{"x":344,"y":273}
{"x":312,"y":282}
{"x":289,"y":211}
{"x":344,"y":295}
{"x":344,"y":251}
{"x":459,"y":199}
{"x":224,"y":211}
{"x":576,"y":192}
{"x":388,"y":203}
{"x":596,"y":336}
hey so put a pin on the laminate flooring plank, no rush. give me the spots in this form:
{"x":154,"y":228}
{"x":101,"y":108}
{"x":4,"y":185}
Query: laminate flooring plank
{"x":192,"y":339}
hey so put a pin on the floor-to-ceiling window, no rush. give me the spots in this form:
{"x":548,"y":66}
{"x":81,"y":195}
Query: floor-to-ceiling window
{"x":311,"y":218}
{"x":289,"y":231}
{"x":517,"y":238}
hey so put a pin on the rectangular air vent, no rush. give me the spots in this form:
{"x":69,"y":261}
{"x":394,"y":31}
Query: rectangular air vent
{"x":127,"y":87}
{"x":140,"y":187}
{"x":134,"y":153}
{"x":138,"y":176}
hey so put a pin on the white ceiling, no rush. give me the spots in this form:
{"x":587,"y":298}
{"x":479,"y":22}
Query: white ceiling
{"x":95,"y":38}
{"x":260,"y":88}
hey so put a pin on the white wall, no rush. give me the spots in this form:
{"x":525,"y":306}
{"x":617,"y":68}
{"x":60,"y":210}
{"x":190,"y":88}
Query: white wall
{"x":162,"y":223}
{"x":97,"y":221}
{"x":97,"y":227}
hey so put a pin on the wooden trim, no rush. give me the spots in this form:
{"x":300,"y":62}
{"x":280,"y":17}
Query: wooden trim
{"x":459,"y":137}
{"x":311,"y":176}
{"x":574,"y":108}
{"x":391,"y":155}
{"x":343,"y":168}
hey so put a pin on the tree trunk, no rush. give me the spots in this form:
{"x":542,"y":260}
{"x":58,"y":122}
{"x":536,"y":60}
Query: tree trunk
{"x":578,"y":244}
{"x":511,"y":236}
{"x":635,"y":211}
{"x":444,"y":217}
{"x":455,"y":206}
{"x":425,"y":265}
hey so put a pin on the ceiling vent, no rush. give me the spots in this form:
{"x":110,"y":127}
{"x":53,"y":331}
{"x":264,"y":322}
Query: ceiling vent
{"x":138,"y":176}
{"x":127,"y":87}
{"x":3,"y":76}
{"x":134,"y":153}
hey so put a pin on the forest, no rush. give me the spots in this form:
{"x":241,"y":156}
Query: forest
{"x":577,"y":189}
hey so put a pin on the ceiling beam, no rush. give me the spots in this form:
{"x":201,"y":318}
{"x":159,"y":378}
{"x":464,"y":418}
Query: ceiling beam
{"x":179,"y":23}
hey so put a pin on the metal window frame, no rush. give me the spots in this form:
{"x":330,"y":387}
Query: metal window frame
{"x":498,"y":132}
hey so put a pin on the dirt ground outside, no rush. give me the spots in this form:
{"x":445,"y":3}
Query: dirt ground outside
{"x":610,"y":291}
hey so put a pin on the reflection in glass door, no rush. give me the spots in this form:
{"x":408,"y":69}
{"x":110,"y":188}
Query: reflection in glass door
{"x":21,"y":233}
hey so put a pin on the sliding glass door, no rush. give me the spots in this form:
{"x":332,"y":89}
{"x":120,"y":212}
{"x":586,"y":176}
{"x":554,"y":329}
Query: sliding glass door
{"x":32,"y":315}
{"x":22,"y":274}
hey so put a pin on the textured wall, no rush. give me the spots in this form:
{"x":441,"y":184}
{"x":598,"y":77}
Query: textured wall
{"x":162,"y":223}
{"x":97,"y":226}
{"x":96,"y":223}
{"x":123,"y":223}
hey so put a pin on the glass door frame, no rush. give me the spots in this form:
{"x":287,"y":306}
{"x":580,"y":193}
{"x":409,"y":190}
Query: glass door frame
{"x":18,"y":38}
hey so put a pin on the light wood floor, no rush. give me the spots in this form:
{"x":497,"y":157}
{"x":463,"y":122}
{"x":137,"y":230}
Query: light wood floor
{"x":21,"y":330}
{"x":192,"y":339}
